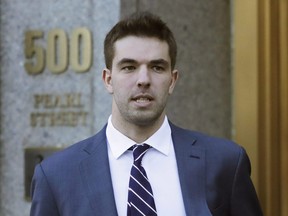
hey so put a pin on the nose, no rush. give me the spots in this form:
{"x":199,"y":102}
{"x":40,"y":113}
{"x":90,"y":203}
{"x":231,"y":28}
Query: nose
{"x":144,"y":79}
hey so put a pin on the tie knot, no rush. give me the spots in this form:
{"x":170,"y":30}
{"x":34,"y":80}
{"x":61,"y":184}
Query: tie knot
{"x":139,"y":151}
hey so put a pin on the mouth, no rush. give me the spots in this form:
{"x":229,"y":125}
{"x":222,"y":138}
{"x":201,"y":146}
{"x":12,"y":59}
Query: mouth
{"x":143,"y":99}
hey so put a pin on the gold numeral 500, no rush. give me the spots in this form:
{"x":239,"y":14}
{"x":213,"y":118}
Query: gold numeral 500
{"x":58,"y":53}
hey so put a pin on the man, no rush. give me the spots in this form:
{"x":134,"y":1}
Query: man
{"x":185,"y":172}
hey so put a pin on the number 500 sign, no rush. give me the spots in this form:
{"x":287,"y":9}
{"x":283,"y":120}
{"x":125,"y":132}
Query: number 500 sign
{"x":60,"y":52}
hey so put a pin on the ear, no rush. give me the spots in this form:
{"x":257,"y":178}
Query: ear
{"x":174,"y":78}
{"x":107,"y":79}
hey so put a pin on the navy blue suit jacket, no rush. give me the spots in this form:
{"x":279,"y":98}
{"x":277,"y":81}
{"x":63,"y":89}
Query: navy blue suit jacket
{"x":214,"y":176}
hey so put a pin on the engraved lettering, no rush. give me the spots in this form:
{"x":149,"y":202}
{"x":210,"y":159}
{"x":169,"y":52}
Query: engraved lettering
{"x":50,"y":101}
{"x":58,"y":110}
{"x":54,"y":119}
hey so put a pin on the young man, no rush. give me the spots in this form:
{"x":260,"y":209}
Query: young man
{"x":177,"y":172}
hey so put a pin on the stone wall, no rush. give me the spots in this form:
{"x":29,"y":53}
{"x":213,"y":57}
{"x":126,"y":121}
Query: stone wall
{"x":51,"y":89}
{"x":54,"y":103}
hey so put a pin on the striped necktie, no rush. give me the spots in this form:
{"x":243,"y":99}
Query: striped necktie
{"x":140,"y":196}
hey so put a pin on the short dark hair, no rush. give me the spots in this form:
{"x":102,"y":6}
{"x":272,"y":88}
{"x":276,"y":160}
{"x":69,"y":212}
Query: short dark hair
{"x":142,"y":24}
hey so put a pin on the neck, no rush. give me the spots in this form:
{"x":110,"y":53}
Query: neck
{"x":138,"y":133}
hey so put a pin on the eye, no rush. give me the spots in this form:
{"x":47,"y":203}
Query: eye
{"x":158,"y":68}
{"x":128,"y":68}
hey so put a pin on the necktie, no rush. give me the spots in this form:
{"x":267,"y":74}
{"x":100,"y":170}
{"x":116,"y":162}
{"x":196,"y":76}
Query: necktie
{"x":140,"y":196}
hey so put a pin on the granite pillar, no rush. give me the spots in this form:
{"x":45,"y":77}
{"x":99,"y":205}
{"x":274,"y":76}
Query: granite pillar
{"x":51,"y":89}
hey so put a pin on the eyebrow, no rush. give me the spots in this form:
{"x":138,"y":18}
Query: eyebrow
{"x":160,"y":62}
{"x":153,"y":62}
{"x":126,"y":61}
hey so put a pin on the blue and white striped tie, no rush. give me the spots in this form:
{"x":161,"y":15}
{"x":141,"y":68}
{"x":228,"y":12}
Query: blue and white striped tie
{"x":140,"y":196}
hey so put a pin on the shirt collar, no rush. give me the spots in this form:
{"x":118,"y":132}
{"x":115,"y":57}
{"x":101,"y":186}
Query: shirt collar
{"x":161,"y":140}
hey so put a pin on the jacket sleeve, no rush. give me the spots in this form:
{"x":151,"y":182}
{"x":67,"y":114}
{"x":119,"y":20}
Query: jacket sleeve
{"x":244,"y":199}
{"x":43,"y":202}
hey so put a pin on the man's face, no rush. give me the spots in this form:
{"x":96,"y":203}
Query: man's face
{"x":141,"y":79}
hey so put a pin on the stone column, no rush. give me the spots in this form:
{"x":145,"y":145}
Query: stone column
{"x":51,"y":89}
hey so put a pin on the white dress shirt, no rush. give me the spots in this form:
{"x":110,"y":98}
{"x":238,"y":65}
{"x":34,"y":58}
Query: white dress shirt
{"x":160,"y":166}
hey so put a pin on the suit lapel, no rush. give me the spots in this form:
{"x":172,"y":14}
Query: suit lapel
{"x":191,"y":168}
{"x":95,"y":173}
